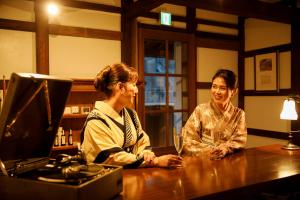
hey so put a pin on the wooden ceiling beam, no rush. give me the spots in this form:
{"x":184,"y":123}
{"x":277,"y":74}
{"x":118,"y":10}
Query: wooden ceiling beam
{"x":90,"y":6}
{"x":243,"y":8}
{"x":140,"y":7}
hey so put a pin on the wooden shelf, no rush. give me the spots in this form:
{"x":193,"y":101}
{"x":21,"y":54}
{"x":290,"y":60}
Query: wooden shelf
{"x":83,"y":85}
{"x":74,"y":116}
{"x":82,"y":94}
{"x":67,"y":147}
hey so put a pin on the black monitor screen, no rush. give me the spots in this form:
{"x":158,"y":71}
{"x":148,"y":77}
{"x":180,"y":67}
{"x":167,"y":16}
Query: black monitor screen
{"x":30,"y":115}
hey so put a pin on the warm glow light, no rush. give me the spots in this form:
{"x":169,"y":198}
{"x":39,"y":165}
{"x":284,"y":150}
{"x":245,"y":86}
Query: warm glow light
{"x":52,"y":9}
{"x":289,"y":110}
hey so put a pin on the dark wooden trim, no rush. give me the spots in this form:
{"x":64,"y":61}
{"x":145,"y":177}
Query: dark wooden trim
{"x":205,"y":34}
{"x":203,"y":85}
{"x":203,"y":39}
{"x":243,"y":8}
{"x":83,"y":85}
{"x":270,"y":134}
{"x":61,"y":30}
{"x":90,"y":6}
{"x":295,"y":46}
{"x":217,"y":43}
{"x":161,"y":28}
{"x":192,"y":77}
{"x":140,"y":98}
{"x":154,"y":15}
{"x":191,"y":24}
{"x":139,"y":7}
{"x":295,"y":63}
{"x":163,"y":75}
{"x":280,"y":48}
{"x":282,"y":92}
{"x":216,"y":23}
{"x":241,"y":61}
{"x":151,"y":32}
{"x":127,"y":31}
{"x":165,"y":35}
{"x":17,"y":25}
{"x":41,"y":38}
{"x":84,"y":32}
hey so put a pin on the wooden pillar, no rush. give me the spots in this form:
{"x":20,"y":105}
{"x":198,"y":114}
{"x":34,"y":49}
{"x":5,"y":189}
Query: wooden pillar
{"x":295,"y":64}
{"x":41,"y":37}
{"x":241,"y":62}
{"x":126,"y":30}
{"x":191,"y":23}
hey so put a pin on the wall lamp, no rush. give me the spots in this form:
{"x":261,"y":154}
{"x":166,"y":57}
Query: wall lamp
{"x":289,"y":113}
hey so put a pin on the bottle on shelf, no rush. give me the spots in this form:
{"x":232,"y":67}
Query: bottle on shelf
{"x":63,"y":138}
{"x":59,"y":133}
{"x":56,"y":141}
{"x":70,"y":138}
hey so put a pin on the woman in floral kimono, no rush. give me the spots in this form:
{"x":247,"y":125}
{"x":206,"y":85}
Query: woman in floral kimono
{"x":216,"y":127}
{"x":112,"y":133}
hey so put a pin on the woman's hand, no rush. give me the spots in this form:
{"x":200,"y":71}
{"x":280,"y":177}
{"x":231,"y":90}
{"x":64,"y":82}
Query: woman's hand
{"x":169,"y":160}
{"x":149,"y":157}
{"x":218,"y":153}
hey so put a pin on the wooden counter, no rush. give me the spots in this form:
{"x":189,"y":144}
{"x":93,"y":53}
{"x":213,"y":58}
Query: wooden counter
{"x":255,"y":173}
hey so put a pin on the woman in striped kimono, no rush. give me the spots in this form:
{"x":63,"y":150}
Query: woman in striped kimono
{"x":112,"y":133}
{"x":216,"y":127}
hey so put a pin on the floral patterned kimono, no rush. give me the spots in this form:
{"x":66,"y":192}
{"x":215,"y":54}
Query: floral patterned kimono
{"x":209,"y":127}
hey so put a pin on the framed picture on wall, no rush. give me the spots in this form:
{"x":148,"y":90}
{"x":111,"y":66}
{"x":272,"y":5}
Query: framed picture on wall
{"x":266,"y":72}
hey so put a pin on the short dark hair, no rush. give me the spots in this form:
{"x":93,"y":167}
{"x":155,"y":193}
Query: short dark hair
{"x":112,"y":74}
{"x":229,"y":77}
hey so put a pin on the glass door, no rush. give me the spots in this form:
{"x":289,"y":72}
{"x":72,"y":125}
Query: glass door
{"x":165,"y":91}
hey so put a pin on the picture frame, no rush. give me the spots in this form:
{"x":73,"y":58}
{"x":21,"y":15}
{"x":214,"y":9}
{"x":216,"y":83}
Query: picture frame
{"x":266,"y":72}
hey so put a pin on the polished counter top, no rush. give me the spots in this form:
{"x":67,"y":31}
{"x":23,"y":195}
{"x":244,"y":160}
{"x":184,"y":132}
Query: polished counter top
{"x":244,"y":173}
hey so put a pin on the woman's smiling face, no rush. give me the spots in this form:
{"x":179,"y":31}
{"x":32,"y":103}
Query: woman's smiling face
{"x":220,"y":93}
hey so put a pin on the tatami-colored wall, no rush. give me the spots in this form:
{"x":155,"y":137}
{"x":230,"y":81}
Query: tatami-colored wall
{"x":262,"y":112}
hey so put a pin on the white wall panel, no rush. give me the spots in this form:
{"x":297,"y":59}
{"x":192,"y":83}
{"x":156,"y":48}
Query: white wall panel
{"x":260,"y":34}
{"x":249,"y":73}
{"x":263,"y":112}
{"x":76,"y":57}
{"x":285,"y":70}
{"x":210,"y":60}
{"x":17,"y":10}
{"x":17,"y":52}
{"x":87,"y":19}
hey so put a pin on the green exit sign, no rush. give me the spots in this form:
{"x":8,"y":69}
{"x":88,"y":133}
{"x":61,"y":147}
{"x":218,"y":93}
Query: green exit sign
{"x":165,"y":18}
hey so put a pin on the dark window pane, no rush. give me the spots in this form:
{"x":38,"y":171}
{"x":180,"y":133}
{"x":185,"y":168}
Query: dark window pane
{"x":154,"y":65}
{"x":156,"y":128}
{"x":154,"y":58}
{"x":155,"y":92}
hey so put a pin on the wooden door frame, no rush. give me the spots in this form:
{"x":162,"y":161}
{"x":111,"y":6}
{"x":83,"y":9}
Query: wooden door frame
{"x":167,"y":35}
